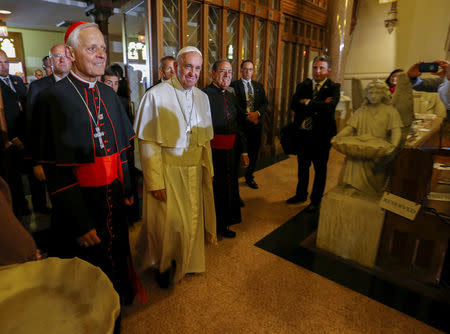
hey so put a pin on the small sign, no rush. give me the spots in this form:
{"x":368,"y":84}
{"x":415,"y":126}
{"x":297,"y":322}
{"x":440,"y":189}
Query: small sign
{"x":399,"y":205}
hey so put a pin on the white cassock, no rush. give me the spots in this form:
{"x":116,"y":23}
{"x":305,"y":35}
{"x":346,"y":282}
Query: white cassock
{"x":174,"y":129}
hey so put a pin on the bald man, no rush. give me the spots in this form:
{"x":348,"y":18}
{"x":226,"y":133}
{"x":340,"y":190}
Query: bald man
{"x":61,"y":66}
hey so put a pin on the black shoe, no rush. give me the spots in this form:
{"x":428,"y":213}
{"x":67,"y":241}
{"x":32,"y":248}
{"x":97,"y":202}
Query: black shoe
{"x":296,"y":199}
{"x":228,"y":233}
{"x":165,"y":279}
{"x":241,"y":203}
{"x":252,"y":184}
{"x":312,"y":208}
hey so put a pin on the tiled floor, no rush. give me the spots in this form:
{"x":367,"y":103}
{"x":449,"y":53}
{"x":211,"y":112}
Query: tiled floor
{"x":246,"y":289}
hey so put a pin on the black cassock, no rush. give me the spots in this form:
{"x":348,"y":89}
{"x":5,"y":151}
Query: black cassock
{"x":227,"y":119}
{"x":86,"y":195}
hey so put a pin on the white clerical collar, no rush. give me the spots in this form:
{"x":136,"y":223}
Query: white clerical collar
{"x":57,"y":78}
{"x":176,"y":83}
{"x":91,"y":84}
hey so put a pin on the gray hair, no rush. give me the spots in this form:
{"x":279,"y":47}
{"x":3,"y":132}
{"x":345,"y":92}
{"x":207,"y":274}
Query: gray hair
{"x":72,"y":40}
{"x":323,"y":58}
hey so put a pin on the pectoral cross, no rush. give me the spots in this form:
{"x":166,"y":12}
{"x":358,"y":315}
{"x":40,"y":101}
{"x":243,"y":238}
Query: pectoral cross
{"x":99,"y":134}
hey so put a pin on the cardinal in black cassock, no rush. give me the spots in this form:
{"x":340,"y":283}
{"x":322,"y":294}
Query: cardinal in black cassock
{"x":81,"y":136}
{"x":227,"y":118}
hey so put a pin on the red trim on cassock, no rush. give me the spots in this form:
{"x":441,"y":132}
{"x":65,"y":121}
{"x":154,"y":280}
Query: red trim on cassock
{"x":64,"y":188}
{"x":100,"y":173}
{"x":223,"y":142}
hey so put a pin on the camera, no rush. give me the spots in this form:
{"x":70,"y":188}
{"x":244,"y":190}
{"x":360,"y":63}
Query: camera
{"x":429,"y":67}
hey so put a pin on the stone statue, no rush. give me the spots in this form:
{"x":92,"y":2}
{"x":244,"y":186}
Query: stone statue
{"x":369,"y":141}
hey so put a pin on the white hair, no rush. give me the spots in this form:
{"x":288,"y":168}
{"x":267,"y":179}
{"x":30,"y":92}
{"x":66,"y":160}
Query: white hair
{"x":72,"y":40}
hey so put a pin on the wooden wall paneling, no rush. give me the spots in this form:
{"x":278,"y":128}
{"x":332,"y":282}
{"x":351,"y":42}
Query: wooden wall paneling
{"x":237,"y":75}
{"x":306,"y":63}
{"x":255,"y":37}
{"x":214,"y":2}
{"x":224,"y":20}
{"x":157,"y":35}
{"x":247,"y":7}
{"x":274,"y":15}
{"x":279,"y":63}
{"x":182,"y":19}
{"x":261,"y":11}
{"x":231,"y":4}
{"x":301,"y":69}
{"x":205,"y":49}
{"x":148,"y":28}
{"x":306,"y":11}
{"x":266,"y":54}
{"x":287,"y":81}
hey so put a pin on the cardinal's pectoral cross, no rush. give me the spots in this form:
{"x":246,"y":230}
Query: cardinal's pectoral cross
{"x":99,"y":134}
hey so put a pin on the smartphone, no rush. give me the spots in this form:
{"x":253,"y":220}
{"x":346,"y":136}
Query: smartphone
{"x":429,"y":67}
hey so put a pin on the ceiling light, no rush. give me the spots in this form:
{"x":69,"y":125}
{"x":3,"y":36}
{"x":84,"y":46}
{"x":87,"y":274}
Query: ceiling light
{"x":3,"y":29}
{"x":4,"y":11}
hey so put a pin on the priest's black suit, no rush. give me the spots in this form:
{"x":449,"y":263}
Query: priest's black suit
{"x":315,"y":146}
{"x":252,"y":130}
{"x":227,"y":119}
{"x":11,"y":160}
{"x":83,"y":196}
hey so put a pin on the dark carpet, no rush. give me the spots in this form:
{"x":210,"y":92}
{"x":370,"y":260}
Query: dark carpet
{"x":295,"y":242}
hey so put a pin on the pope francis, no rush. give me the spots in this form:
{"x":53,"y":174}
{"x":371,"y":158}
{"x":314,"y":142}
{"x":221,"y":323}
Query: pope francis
{"x":174,"y":129}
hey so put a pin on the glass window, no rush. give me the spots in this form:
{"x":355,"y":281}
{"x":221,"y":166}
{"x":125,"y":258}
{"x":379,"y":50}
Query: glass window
{"x":193,"y":24}
{"x":213,"y":36}
{"x":247,"y":38}
{"x":308,"y":31}
{"x":232,"y":35}
{"x":272,"y":62}
{"x":260,"y":48}
{"x":170,"y":27}
{"x":138,"y":65}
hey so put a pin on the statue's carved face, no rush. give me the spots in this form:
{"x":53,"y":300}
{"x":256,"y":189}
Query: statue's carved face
{"x":374,"y":95}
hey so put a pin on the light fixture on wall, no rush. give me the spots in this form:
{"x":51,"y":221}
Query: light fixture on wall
{"x":391,"y":19}
{"x":3,"y":29}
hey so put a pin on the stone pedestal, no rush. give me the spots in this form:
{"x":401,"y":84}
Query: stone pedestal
{"x":350,"y":226}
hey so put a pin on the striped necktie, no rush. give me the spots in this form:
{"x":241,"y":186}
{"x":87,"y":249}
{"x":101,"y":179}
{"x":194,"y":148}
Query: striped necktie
{"x":316,"y":90}
{"x":249,"y":88}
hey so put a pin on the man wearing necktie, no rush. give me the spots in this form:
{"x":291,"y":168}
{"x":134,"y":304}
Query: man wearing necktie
{"x":14,"y":93}
{"x":252,"y":98}
{"x":314,"y":103}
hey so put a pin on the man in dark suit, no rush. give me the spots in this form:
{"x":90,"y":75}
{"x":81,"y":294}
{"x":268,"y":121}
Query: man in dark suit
{"x":314,"y":103}
{"x":60,"y":65}
{"x":252,"y":98}
{"x":11,"y":154}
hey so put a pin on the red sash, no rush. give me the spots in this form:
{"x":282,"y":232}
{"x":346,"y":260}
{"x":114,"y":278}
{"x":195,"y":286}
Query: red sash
{"x":223,"y":142}
{"x":100,"y":173}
